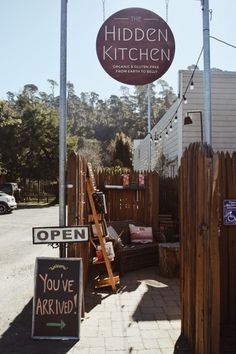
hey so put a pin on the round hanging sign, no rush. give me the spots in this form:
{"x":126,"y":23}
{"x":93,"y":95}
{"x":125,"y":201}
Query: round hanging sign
{"x":135,"y":46}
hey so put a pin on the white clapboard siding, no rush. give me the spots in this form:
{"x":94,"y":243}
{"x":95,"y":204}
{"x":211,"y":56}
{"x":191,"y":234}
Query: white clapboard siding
{"x":168,"y":146}
{"x":223,"y":91}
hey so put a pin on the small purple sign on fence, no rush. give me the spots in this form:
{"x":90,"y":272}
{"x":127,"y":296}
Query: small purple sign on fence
{"x":229,"y":211}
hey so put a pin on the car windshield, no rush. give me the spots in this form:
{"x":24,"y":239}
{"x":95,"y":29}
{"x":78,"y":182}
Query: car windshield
{"x":2,"y":194}
{"x":8,"y":188}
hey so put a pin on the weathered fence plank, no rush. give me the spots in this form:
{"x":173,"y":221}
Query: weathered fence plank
{"x":199,"y":214}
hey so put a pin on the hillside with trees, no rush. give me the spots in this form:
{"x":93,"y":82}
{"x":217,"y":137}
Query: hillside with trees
{"x":100,"y":130}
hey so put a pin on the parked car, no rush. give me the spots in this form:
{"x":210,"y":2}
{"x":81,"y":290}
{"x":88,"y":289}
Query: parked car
{"x":7,"y":203}
{"x":11,"y":188}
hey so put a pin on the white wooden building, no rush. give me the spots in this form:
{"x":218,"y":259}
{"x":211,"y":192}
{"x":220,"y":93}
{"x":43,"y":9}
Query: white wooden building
{"x":147,"y":152}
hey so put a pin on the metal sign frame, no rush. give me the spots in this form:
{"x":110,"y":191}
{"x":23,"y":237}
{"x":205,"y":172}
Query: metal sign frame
{"x":60,"y":234}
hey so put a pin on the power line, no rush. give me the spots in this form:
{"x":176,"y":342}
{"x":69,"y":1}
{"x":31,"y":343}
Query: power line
{"x":183,"y":98}
{"x":220,"y":40}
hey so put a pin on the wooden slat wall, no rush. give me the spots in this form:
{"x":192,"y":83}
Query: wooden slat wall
{"x":208,"y":251}
{"x":140,"y":205}
{"x":200,"y":278}
{"x":77,"y":211}
{"x":228,"y":242}
{"x":169,"y":196}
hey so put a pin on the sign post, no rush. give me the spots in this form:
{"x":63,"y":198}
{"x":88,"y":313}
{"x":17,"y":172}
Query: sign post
{"x":57,"y":298}
{"x":62,"y":121}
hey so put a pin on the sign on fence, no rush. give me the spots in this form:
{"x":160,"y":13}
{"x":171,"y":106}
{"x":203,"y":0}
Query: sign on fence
{"x":57,"y":298}
{"x":229,"y":210}
{"x":60,"y":234}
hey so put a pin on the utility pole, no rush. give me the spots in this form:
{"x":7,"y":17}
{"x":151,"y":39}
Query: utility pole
{"x":63,"y":122}
{"x":207,"y":73}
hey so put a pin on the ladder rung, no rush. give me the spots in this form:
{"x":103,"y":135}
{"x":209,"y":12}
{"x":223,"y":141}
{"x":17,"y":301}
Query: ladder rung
{"x":102,"y":281}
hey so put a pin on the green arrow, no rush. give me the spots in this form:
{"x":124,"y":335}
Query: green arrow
{"x":60,"y":324}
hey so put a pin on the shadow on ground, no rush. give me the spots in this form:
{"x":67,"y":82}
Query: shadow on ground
{"x":17,"y":338}
{"x":153,"y":305}
{"x":159,"y":302}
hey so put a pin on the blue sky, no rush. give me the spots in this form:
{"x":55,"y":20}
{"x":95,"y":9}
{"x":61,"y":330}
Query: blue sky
{"x":30,"y":41}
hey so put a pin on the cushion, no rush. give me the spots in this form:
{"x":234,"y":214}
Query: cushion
{"x":140,"y":234}
{"x":112,"y":232}
{"x":113,"y":235}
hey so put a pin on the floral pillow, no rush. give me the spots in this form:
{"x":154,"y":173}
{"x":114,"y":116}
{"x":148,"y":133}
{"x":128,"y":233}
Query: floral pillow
{"x":140,"y":234}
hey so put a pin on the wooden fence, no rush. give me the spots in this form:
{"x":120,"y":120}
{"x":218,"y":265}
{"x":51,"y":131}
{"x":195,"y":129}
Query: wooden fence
{"x":169,"y":196}
{"x":77,"y":207}
{"x":136,"y":203}
{"x":208,"y":252}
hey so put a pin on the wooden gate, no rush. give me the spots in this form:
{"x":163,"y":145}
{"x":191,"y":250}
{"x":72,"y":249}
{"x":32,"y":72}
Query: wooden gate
{"x":208,"y":251}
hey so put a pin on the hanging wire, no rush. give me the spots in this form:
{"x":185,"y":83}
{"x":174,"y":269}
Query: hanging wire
{"x":103,"y":10}
{"x":220,"y":40}
{"x":167,"y":8}
{"x":183,"y":99}
{"x":191,"y":85}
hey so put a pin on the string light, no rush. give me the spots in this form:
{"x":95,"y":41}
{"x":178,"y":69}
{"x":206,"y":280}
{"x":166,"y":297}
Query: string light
{"x":191,"y":86}
{"x":174,"y":118}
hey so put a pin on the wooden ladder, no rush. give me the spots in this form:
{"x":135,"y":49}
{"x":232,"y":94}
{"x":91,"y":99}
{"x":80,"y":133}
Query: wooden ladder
{"x":110,"y":279}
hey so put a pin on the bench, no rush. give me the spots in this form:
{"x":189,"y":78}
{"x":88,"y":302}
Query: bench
{"x":133,"y":256}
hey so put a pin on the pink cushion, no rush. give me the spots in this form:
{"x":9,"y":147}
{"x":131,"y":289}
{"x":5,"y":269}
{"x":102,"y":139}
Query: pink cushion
{"x":140,"y":234}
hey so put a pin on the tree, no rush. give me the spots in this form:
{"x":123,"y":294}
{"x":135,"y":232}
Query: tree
{"x":166,"y":98}
{"x":101,"y":129}
{"x":53,"y":85}
{"x":122,"y":154}
{"x":91,"y":150}
{"x":30,"y":90}
{"x":193,"y":67}
{"x":29,"y":147}
{"x":161,"y":165}
{"x":9,"y":127}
